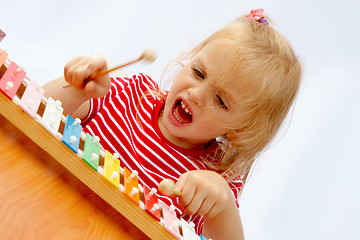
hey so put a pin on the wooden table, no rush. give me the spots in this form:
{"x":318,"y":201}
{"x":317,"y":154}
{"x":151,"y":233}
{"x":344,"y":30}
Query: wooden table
{"x":40,"y":199}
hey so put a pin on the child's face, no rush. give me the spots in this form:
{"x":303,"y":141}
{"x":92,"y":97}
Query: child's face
{"x":199,"y":105}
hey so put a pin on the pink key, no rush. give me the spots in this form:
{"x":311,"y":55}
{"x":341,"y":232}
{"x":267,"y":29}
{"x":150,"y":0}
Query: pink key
{"x":31,"y":98}
{"x":170,"y":220}
{"x":11,"y":80}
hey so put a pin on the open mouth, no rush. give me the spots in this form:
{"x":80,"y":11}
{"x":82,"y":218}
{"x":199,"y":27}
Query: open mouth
{"x":181,"y":112}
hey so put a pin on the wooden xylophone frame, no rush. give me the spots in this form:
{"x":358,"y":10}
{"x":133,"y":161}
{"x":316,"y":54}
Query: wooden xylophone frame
{"x":74,"y":164}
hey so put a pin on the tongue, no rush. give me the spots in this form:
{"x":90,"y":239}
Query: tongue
{"x":183,"y":116}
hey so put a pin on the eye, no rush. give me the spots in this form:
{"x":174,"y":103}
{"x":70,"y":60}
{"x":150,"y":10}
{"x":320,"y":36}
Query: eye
{"x":198,"y":72}
{"x":221,"y":103}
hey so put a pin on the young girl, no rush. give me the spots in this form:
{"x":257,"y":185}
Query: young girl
{"x":224,"y":106}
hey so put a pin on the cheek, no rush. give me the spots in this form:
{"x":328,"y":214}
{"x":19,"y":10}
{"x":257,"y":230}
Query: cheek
{"x":173,"y":89}
{"x":182,"y":79}
{"x":212,"y":128}
{"x":217,"y":120}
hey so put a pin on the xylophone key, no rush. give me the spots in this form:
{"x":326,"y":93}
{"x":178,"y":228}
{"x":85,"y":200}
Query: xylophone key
{"x":11,"y":80}
{"x":151,"y":202}
{"x":112,"y":169}
{"x":91,"y":151}
{"x":31,"y":99}
{"x":2,"y":36}
{"x":188,"y":230}
{"x":72,"y":132}
{"x":3,"y":56}
{"x":170,"y":220}
{"x":131,"y":185}
{"x":52,"y":116}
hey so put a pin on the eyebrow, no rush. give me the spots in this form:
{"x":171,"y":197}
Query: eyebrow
{"x":229,"y":98}
{"x":199,"y":63}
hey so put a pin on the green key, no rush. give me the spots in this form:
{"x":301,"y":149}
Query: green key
{"x":91,"y":151}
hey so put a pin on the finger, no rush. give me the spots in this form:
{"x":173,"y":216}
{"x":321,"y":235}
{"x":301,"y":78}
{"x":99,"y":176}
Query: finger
{"x":79,"y":70}
{"x":206,"y":207}
{"x":179,"y":185}
{"x":73,"y":73}
{"x":95,"y":90}
{"x":71,"y":63}
{"x":68,"y":69}
{"x":79,"y":75}
{"x":91,"y":89}
{"x":97,"y":65}
{"x":187,"y":193}
{"x":214,"y":204}
{"x":202,"y":202}
{"x":195,"y":204}
{"x":99,"y":85}
{"x":214,"y":210}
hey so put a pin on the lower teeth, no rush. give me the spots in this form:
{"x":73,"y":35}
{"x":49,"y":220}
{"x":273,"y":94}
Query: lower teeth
{"x":177,"y":117}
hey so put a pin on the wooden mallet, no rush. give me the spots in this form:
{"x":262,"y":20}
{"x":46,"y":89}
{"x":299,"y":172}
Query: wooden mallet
{"x":148,"y":55}
{"x":167,"y":188}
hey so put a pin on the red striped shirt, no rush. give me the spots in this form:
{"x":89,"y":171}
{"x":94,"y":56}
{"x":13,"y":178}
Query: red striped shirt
{"x":126,"y":120}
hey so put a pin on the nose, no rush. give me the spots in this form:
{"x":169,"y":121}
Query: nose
{"x":197,"y":96}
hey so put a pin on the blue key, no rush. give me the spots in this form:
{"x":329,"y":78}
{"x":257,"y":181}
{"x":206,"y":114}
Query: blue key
{"x":71,"y":135}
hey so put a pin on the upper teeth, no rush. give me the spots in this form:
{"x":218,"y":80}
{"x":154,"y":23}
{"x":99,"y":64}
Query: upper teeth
{"x":185,"y":108}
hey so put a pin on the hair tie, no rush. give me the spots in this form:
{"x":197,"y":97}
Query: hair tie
{"x":257,"y":14}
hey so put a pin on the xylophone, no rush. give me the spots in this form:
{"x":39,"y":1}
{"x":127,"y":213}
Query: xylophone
{"x":80,"y":155}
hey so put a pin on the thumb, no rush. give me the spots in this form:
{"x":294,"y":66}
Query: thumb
{"x":95,"y":89}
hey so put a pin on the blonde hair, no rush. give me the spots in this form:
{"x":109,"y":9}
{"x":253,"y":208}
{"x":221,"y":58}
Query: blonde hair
{"x":264,"y":62}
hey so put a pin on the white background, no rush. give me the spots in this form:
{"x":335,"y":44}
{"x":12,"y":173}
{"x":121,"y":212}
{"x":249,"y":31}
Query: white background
{"x":306,"y":185}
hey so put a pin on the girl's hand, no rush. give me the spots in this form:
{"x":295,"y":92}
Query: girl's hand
{"x":79,"y":73}
{"x":203,"y":192}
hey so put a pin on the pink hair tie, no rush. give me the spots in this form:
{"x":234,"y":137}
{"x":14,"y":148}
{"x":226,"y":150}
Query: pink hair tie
{"x":257,"y":14}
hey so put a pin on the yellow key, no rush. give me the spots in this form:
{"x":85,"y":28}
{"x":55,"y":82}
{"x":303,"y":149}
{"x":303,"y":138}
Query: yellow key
{"x":112,"y":169}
